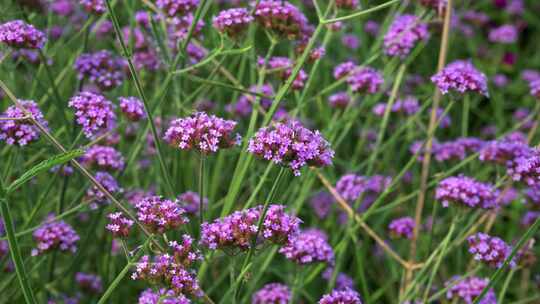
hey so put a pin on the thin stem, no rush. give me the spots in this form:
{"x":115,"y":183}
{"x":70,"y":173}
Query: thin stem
{"x":201,"y":188}
{"x":509,"y":277}
{"x":361,"y":13}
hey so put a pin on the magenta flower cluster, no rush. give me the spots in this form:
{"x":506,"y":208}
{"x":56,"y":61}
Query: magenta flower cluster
{"x":89,"y":282}
{"x":96,"y":196}
{"x":190,"y":201}
{"x":406,"y":106}
{"x":233,"y":22}
{"x":119,"y":225}
{"x":461,"y":76}
{"x":163,"y":296}
{"x":103,"y":157}
{"x":93,"y":112}
{"x":160,"y":215}
{"x":132,"y":107}
{"x":321,"y":203}
{"x":506,"y":34}
{"x":20,"y":132}
{"x":343,"y":281}
{"x":291,"y":145}
{"x":489,"y":249}
{"x":339,"y":100}
{"x":272,"y":293}
{"x":347,"y":4}
{"x":468,"y":289}
{"x":309,"y":246}
{"x":174,"y":8}
{"x":365,"y":80}
{"x":282,"y":18}
{"x":351,"y":186}
{"x":466,"y":191}
{"x":403,"y":35}
{"x":202,"y":132}
{"x":54,"y":235}
{"x":402,"y":227}
{"x":101,"y":68}
{"x":346,"y":296}
{"x":19,"y":34}
{"x":283,"y":67}
{"x":97,"y":7}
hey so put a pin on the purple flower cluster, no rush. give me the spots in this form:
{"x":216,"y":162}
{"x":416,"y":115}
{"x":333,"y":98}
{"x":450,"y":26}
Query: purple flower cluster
{"x":203,"y":132}
{"x":272,"y":293}
{"x":132,"y":107}
{"x":20,"y":132}
{"x":291,"y":145}
{"x":54,"y":235}
{"x":119,"y":225}
{"x":19,"y":34}
{"x":407,"y":106}
{"x":351,"y":186}
{"x":347,"y":4}
{"x":322,"y":203}
{"x":174,"y":8}
{"x":89,"y":282}
{"x":283,"y":18}
{"x":468,"y":289}
{"x":244,"y":105}
{"x":346,"y":296}
{"x":309,"y":246}
{"x":103,"y":157}
{"x":461,"y":76}
{"x":339,"y":100}
{"x":403,"y":34}
{"x":233,"y":22}
{"x":97,"y":7}
{"x":365,"y":80}
{"x":402,"y":227}
{"x":466,"y":191}
{"x":343,"y":281}
{"x":102,"y":68}
{"x":238,"y":229}
{"x":453,"y":150}
{"x":172,"y":270}
{"x":535,"y":88}
{"x":489,"y":249}
{"x":163,"y":296}
{"x":95,"y":196}
{"x":283,"y":66}
{"x":507,"y":34}
{"x":190,"y":202}
{"x":160,"y":215}
{"x":93,"y":112}
{"x":344,"y":69}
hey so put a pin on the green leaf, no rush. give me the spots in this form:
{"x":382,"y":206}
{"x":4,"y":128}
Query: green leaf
{"x":43,"y":166}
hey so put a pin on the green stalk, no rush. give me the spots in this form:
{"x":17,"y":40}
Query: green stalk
{"x":505,"y":285}
{"x":465,"y":115}
{"x":201,"y":188}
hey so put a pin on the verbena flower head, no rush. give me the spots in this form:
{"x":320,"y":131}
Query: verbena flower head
{"x":403,"y":35}
{"x":101,"y":68}
{"x":506,"y":34}
{"x":103,"y":157}
{"x":347,"y":4}
{"x":54,"y":235}
{"x":402,"y":227}
{"x":343,"y":69}
{"x":350,"y":41}
{"x":283,"y":67}
{"x":339,"y":100}
{"x":96,"y":196}
{"x":21,"y":132}
{"x":89,"y":282}
{"x":272,"y":293}
{"x":119,"y":225}
{"x":468,"y":289}
{"x":489,"y":249}
{"x":238,"y":229}
{"x":309,"y":246}
{"x":233,"y":22}
{"x":291,"y":145}
{"x":365,"y":80}
{"x":503,"y":151}
{"x":174,"y":8}
{"x":202,"y":132}
{"x":462,"y":77}
{"x":132,"y":107}
{"x":97,"y":7}
{"x":525,"y":168}
{"x":19,"y":34}
{"x":466,"y":191}
{"x":535,"y":88}
{"x":163,"y":296}
{"x":322,"y":203}
{"x":457,"y":149}
{"x":343,"y":281}
{"x":160,"y":215}
{"x":351,"y":186}
{"x":282,"y":18}
{"x":244,"y":105}
{"x":346,"y":296}
{"x":93,"y":112}
{"x":406,"y":106}
{"x":190,"y":202}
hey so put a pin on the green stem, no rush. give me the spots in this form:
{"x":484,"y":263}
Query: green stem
{"x":505,"y":285}
{"x":465,"y":115}
{"x":201,"y":189}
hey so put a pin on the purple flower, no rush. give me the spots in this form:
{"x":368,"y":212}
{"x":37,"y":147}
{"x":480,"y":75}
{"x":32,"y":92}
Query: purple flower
{"x":97,"y":7}
{"x":403,"y":34}
{"x":339,"y":100}
{"x":96,"y":196}
{"x":101,"y":68}
{"x":190,"y":202}
{"x":343,"y":281}
{"x":346,"y":296}
{"x":365,"y":80}
{"x":283,"y":67}
{"x":93,"y":112}
{"x":344,"y":69}
{"x":160,"y":215}
{"x":502,"y":152}
{"x":119,"y":225}
{"x":407,"y":106}
{"x":466,"y":191}
{"x":233,"y":22}
{"x":202,"y":132}
{"x":19,"y":34}
{"x":146,"y":60}
{"x":402,"y":227}
{"x":457,"y":149}
{"x":283,"y":18}
{"x":244,"y":105}
{"x":322,"y":203}
{"x":350,"y":41}
{"x":132,"y":107}
{"x":309,"y":246}
{"x":89,"y":282}
{"x":163,"y":296}
{"x":103,"y":157}
{"x":347,"y":4}
{"x":351,"y":187}
{"x":174,"y":8}
{"x":500,"y":80}
{"x":21,"y":132}
{"x":62,"y":7}
{"x":535,"y":88}
{"x":529,"y":218}
{"x":372,"y":27}
{"x":272,"y":293}
{"x":506,"y":34}
{"x":468,"y":289}
{"x":525,"y":168}
{"x":291,"y":145}
{"x":489,"y":249}
{"x":54,"y":235}
{"x":461,"y":76}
